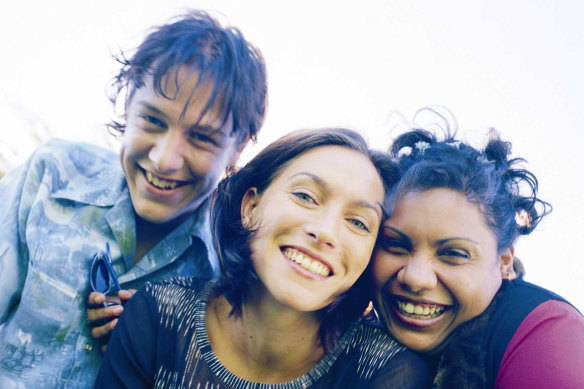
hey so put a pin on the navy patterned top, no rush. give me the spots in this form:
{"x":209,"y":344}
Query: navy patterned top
{"x":161,"y":341}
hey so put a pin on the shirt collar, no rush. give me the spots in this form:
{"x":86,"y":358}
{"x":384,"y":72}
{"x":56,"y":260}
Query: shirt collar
{"x":108,"y":188}
{"x":101,"y":189}
{"x":197,"y":226}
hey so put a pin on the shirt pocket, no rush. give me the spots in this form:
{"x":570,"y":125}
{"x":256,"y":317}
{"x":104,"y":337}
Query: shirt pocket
{"x":50,"y":305}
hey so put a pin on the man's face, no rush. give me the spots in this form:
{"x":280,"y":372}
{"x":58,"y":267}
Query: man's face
{"x":173,"y":163}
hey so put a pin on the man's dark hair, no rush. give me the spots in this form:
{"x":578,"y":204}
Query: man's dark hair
{"x":220,"y":55}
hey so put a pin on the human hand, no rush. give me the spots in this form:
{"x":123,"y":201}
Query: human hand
{"x":103,"y":312}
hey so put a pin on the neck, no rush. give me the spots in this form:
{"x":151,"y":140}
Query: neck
{"x":268,"y":342}
{"x":149,"y":234}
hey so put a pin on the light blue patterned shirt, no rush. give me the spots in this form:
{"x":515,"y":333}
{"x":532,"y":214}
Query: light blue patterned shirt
{"x":56,"y":212}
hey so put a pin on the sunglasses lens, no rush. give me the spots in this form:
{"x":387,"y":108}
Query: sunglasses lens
{"x":100,"y":279}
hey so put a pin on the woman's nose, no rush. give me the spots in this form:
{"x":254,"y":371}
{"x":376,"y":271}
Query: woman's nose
{"x":417,"y":274}
{"x":324,"y":228}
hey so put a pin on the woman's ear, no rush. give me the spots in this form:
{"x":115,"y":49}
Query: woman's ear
{"x":249,"y":203}
{"x":506,"y":264}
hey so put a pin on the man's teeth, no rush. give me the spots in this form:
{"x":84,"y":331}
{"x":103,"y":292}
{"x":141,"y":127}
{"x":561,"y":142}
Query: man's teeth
{"x":159,"y":182}
{"x":422,"y":310}
{"x":307,"y":263}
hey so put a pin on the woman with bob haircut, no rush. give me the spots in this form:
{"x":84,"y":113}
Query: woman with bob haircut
{"x":443,"y":269}
{"x":294,"y":230}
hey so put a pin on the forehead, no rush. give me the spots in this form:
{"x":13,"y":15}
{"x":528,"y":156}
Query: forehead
{"x":441,"y":211}
{"x":184,"y":91}
{"x":338,"y":168}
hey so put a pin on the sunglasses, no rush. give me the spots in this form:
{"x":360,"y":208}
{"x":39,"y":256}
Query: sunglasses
{"x":102,"y":275}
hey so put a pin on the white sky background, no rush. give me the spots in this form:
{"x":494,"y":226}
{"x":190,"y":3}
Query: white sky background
{"x":513,"y":65}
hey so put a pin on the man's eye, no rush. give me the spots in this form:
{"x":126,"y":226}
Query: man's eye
{"x":199,"y":137}
{"x":359,"y":224}
{"x":154,"y":120}
{"x":304,"y":197}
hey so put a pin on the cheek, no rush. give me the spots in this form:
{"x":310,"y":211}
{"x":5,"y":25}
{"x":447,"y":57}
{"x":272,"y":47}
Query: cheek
{"x":474,"y":297}
{"x":383,"y":268}
{"x":356,"y":263}
{"x":203,"y":165}
{"x":134,"y":144}
{"x":364,"y":255}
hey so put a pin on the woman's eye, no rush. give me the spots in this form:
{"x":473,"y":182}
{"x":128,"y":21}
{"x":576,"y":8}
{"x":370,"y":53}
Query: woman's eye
{"x":304,"y":197}
{"x":456,"y":254}
{"x":394,"y":246}
{"x":359,"y":224}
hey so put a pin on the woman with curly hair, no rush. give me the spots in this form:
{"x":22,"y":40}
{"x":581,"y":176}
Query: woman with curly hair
{"x":444,"y":275}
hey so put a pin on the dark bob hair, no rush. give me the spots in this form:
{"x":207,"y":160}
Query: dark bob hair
{"x":220,"y":55}
{"x":505,"y":193}
{"x":233,"y":240}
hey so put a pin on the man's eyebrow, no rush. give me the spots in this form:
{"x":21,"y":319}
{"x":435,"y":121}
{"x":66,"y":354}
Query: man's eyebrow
{"x":152,"y":108}
{"x":208,"y":129}
{"x":320,"y":182}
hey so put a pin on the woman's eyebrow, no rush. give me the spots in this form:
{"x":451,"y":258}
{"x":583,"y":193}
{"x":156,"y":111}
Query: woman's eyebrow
{"x":401,"y":235}
{"x":366,"y":204}
{"x":443,"y":241}
{"x":319,"y":181}
{"x":324,"y":186}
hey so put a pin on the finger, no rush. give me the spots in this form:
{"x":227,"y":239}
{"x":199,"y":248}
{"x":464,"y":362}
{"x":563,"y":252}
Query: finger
{"x":104,"y":330}
{"x":95,"y":298}
{"x":97,"y":314}
{"x":113,"y":300}
{"x":126,"y":295}
{"x":103,"y":348}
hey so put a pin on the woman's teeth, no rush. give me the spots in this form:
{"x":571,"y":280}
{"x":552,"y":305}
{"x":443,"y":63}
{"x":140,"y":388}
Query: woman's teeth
{"x":425,"y":311}
{"x":306,"y":262}
{"x":159,"y":182}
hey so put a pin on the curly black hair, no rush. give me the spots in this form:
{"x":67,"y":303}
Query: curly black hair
{"x":504,"y":192}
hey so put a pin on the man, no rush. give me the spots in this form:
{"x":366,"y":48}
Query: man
{"x":194,"y":94}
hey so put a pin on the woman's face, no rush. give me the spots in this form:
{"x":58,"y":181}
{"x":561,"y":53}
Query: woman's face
{"x":318,"y":222}
{"x":436,"y":267}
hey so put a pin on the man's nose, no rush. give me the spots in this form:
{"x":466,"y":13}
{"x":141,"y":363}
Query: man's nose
{"x":167,"y":155}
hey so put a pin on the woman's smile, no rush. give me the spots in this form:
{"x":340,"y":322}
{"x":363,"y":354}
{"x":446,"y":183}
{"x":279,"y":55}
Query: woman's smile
{"x":307,"y":264}
{"x":419,"y":314}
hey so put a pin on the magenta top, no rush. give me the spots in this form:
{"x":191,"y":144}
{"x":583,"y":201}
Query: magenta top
{"x":546,"y":351}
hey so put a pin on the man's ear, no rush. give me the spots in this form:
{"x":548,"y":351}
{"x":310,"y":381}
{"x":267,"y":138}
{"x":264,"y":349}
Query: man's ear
{"x":249,"y":203}
{"x":506,"y":264}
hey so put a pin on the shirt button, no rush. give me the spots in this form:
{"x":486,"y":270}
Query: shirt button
{"x":88,"y":347}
